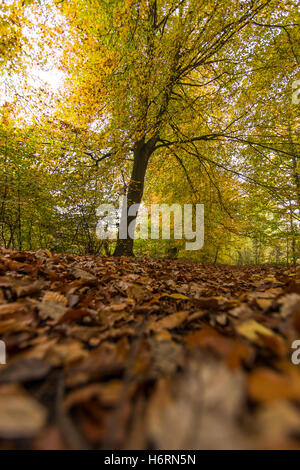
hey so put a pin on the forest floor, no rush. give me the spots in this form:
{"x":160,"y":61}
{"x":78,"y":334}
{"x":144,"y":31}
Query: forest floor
{"x":120,"y":353}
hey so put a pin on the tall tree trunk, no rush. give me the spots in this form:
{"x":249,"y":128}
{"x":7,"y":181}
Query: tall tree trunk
{"x":141,"y":153}
{"x":216,"y":255}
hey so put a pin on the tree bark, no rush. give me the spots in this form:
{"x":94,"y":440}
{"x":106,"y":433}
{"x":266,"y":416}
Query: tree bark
{"x":141,"y":154}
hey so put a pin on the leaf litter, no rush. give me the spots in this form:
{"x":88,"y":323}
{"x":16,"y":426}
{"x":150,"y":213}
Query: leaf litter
{"x":120,"y":353}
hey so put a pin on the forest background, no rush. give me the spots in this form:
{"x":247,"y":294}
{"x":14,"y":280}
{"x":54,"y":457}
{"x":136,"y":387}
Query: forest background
{"x":192,"y":101}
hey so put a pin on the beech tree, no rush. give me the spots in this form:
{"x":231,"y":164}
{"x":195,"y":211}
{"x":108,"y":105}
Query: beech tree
{"x":159,"y":74}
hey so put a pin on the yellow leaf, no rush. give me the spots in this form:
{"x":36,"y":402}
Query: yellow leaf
{"x":176,"y":296}
{"x":251,"y":330}
{"x":163,"y":335}
{"x":264,"y":304}
{"x":48,"y":253}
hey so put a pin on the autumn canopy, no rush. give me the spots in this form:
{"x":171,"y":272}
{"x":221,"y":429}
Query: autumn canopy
{"x":165,"y":101}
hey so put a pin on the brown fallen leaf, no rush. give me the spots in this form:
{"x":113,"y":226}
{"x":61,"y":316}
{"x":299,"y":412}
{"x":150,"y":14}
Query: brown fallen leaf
{"x":266,"y":385}
{"x":12,"y":325}
{"x":12,"y":308}
{"x":169,"y":322}
{"x":53,"y":310}
{"x":136,"y":292}
{"x":54,"y":297}
{"x":274,"y":291}
{"x":107,"y":393}
{"x":79,"y":273}
{"x":196,"y":315}
{"x":30,"y":289}
{"x":75,"y":314}
{"x":208,"y":302}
